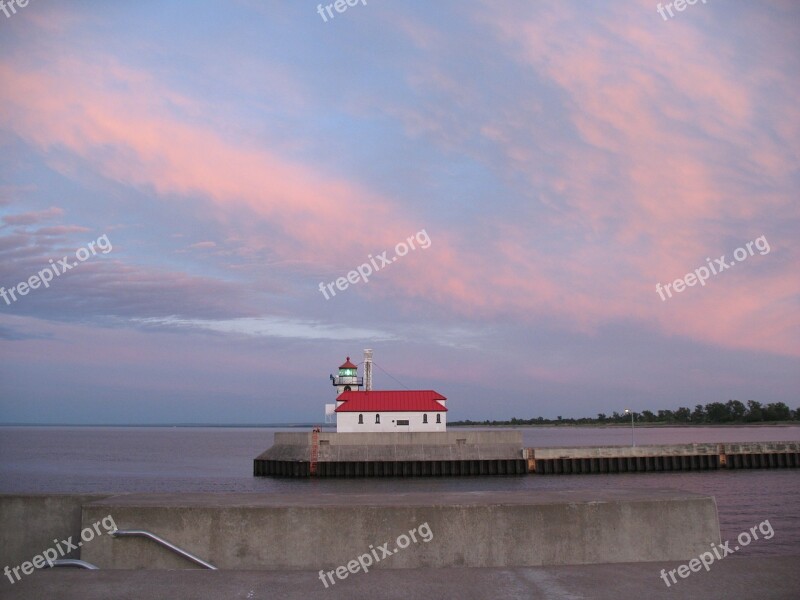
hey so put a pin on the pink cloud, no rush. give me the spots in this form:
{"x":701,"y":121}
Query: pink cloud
{"x":640,"y":195}
{"x":31,"y":218}
{"x":61,"y":230}
{"x":203,"y":245}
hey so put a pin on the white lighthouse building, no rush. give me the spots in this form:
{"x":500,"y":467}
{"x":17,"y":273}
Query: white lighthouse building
{"x":368,"y":410}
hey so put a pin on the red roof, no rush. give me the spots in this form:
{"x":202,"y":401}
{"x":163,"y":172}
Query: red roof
{"x":391,"y":401}
{"x":348,"y":365}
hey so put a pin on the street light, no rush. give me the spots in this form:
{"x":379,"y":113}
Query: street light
{"x":627,"y":410}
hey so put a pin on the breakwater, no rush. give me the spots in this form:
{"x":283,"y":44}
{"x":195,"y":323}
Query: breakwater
{"x":676,"y":457}
{"x":471,"y":453}
{"x":458,"y":453}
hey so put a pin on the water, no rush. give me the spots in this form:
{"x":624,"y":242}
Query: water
{"x":160,"y":459}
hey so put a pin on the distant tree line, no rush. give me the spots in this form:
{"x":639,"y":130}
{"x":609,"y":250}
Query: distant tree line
{"x":732,"y":411}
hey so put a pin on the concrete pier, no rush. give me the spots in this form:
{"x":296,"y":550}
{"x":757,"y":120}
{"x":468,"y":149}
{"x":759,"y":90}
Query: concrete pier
{"x":676,"y":457}
{"x":465,"y":453}
{"x":394,"y":454}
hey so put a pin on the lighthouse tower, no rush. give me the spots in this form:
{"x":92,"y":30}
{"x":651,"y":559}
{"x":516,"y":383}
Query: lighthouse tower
{"x":348,"y":379}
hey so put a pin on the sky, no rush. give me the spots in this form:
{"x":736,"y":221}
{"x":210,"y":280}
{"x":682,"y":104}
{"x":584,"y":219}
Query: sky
{"x":214,"y":172}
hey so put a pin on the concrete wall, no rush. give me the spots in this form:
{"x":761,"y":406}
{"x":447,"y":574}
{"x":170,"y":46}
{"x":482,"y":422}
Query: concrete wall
{"x":760,"y":447}
{"x":664,"y":450}
{"x":400,"y":453}
{"x":30,"y":522}
{"x":398,"y":447}
{"x":472,"y":529}
{"x":506,"y":436}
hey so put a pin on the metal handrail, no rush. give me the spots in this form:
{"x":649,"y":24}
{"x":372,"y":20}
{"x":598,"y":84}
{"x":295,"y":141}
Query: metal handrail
{"x":74,"y":562}
{"x":168,"y":545}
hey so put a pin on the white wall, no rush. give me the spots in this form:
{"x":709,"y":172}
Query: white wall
{"x":347,"y":422}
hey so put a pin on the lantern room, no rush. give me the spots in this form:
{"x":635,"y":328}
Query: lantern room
{"x":348,"y":379}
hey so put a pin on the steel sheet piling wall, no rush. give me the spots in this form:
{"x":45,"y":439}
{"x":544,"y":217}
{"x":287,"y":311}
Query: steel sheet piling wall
{"x":691,"y":457}
{"x":413,"y":457}
{"x":417,"y":468}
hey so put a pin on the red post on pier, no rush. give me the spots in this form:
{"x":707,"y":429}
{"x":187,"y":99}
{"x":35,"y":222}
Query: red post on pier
{"x":314,"y":450}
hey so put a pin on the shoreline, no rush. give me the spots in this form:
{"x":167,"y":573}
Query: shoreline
{"x":628,"y":426}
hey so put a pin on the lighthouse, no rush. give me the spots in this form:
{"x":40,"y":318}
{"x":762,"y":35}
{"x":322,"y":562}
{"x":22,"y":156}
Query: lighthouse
{"x":370,"y":411}
{"x":348,"y":379}
{"x":388,"y":433}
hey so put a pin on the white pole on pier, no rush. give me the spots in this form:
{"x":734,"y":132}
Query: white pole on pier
{"x":627,"y":410}
{"x":367,"y":369}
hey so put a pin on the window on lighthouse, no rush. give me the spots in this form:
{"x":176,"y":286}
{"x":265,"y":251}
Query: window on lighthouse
{"x":360,"y":419}
{"x":438,"y":418}
{"x":377,"y":419}
{"x":424,"y":418}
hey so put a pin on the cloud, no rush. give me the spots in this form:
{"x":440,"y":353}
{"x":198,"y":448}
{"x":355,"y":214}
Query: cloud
{"x":59,"y":230}
{"x":107,"y":287}
{"x":13,"y":334}
{"x":31,"y":218}
{"x":276,"y":327}
{"x":130,"y":112}
{"x":94,"y":290}
{"x":619,"y":160}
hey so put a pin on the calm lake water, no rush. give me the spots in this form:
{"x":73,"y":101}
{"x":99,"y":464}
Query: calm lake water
{"x":182,"y":459}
